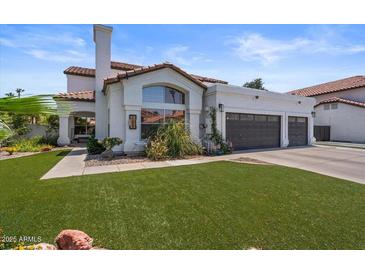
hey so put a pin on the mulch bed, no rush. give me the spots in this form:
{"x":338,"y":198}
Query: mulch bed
{"x":97,"y":160}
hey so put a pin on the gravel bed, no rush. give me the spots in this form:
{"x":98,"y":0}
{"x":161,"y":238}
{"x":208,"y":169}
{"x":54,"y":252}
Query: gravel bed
{"x":4,"y":155}
{"x":97,"y":160}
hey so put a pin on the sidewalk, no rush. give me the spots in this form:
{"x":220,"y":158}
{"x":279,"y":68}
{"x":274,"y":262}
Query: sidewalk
{"x":341,"y":144}
{"x":73,"y":165}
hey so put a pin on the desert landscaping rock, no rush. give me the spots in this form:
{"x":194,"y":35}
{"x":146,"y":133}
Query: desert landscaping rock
{"x":98,"y":160}
{"x":45,"y":246}
{"x":73,"y":240}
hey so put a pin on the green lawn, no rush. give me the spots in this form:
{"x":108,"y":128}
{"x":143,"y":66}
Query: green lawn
{"x":219,"y":205}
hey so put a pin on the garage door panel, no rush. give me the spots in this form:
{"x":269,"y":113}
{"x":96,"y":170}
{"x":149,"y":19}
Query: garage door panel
{"x":252,"y":130}
{"x":298,"y":131}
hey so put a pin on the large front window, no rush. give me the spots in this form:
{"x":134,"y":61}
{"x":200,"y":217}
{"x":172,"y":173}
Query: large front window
{"x":152,"y":119}
{"x":161,"y":105}
{"x":164,"y":95}
{"x":84,"y":126}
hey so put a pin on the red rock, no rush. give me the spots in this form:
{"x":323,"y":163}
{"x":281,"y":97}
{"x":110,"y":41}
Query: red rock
{"x":73,"y":240}
{"x":44,"y":246}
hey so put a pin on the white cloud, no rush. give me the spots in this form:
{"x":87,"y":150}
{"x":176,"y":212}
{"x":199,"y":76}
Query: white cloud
{"x":182,"y":55}
{"x":55,"y":46}
{"x":66,"y":56}
{"x":255,"y":46}
{"x":6,"y":42}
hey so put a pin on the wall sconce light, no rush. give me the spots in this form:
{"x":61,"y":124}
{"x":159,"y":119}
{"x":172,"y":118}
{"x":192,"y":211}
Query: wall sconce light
{"x":257,"y":97}
{"x":313,"y":114}
{"x":299,"y":102}
{"x":221,"y":107}
{"x":203,"y":126}
{"x":132,"y":121}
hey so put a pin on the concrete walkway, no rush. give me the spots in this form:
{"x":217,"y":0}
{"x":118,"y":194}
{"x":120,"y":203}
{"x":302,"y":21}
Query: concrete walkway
{"x":73,"y":165}
{"x":343,"y":163}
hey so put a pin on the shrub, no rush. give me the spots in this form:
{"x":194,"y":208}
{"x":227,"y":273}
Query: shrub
{"x":172,"y":140}
{"x":157,"y":149}
{"x":94,"y":146}
{"x":10,"y":150}
{"x":33,"y":144}
{"x":110,"y":142}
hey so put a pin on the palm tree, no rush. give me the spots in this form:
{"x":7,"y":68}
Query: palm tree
{"x":27,"y":106}
{"x":10,"y":94}
{"x":19,"y":91}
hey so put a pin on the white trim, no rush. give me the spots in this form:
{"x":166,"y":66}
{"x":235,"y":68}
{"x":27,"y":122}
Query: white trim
{"x":164,"y":106}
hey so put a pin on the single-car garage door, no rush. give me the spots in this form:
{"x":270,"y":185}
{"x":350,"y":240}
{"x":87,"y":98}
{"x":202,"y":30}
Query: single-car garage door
{"x":252,"y":130}
{"x":297,"y":131}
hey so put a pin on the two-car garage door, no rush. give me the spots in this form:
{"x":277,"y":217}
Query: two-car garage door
{"x":252,"y":130}
{"x":247,"y":131}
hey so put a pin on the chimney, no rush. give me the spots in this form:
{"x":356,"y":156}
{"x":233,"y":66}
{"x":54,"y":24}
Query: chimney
{"x":102,"y":39}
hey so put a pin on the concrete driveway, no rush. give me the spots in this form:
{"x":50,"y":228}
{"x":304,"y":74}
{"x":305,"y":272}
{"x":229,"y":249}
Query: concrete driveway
{"x":344,"y":163}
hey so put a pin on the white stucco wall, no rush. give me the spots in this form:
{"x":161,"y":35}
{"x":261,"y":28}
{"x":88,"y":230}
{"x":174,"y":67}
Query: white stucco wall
{"x":80,"y":83}
{"x":243,"y":100}
{"x":357,"y":94}
{"x":130,"y":102}
{"x":347,"y":122}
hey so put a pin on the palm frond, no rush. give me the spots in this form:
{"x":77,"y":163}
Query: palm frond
{"x":28,"y":105}
{"x":5,"y":131}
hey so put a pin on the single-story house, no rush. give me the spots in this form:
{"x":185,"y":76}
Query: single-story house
{"x":124,"y":100}
{"x":339,"y":109}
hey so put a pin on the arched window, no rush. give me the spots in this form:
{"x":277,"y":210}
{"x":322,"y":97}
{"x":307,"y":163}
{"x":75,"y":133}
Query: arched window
{"x":161,"y":105}
{"x":162,"y":94}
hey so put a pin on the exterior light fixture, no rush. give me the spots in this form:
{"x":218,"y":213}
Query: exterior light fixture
{"x":132,"y":121}
{"x":313,"y":114}
{"x":221,"y":107}
{"x":257,"y":97}
{"x":299,"y":102}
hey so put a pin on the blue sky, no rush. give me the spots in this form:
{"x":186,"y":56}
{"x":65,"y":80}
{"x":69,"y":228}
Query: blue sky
{"x":287,"y":57}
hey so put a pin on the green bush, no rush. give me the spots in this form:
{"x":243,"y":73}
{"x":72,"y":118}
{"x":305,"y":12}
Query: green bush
{"x":33,"y":144}
{"x":157,"y":149}
{"x":94,"y":146}
{"x":172,"y":141}
{"x":110,"y":142}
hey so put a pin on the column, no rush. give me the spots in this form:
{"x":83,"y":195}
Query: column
{"x":63,"y":138}
{"x":193,"y":122}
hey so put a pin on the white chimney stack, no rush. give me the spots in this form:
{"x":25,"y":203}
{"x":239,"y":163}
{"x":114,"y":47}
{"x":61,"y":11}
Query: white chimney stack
{"x":102,"y":39}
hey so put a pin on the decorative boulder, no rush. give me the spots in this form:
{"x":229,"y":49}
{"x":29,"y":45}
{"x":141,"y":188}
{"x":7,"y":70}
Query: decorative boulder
{"x":73,"y":240}
{"x":45,"y":246}
{"x":107,"y":154}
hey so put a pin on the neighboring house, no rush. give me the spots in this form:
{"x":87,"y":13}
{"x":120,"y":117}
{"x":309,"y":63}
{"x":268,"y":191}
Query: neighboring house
{"x":127,"y":101}
{"x":340,"y":109}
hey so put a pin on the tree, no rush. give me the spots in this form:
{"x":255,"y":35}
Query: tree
{"x":256,"y":84}
{"x":23,"y":106}
{"x":10,"y":94}
{"x":19,"y":91}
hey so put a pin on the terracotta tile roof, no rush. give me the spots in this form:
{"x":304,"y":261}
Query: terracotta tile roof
{"x":339,"y":85}
{"x":209,"y":80}
{"x":123,"y":66}
{"x":89,"y":72}
{"x":85,"y":95}
{"x":342,"y":100}
{"x":138,"y":71}
{"x":80,"y":71}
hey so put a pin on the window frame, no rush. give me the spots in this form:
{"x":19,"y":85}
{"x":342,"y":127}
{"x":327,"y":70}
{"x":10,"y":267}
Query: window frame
{"x":162,"y":106}
{"x":164,"y":96}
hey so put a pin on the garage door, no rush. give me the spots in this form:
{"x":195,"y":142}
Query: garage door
{"x":252,"y":130}
{"x":297,"y":129}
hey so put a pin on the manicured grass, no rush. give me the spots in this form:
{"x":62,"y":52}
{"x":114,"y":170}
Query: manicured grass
{"x":220,"y":205}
